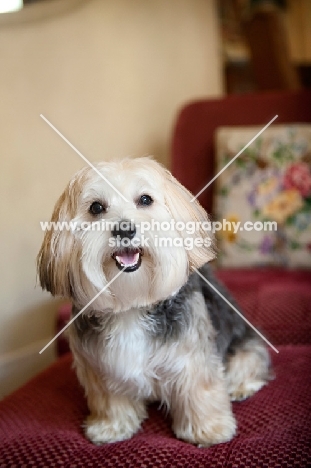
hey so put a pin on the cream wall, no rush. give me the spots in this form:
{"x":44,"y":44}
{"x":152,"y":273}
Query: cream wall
{"x":110,"y":75}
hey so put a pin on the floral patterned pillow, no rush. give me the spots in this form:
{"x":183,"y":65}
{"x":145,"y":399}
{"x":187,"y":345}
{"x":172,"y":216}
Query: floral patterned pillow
{"x":263,"y":199}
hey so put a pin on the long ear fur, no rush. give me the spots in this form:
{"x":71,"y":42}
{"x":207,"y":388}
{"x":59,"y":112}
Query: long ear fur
{"x":177,"y":199}
{"x":57,"y":250}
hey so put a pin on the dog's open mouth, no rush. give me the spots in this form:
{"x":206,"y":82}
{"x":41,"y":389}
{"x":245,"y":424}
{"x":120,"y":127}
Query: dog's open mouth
{"x":129,"y":258}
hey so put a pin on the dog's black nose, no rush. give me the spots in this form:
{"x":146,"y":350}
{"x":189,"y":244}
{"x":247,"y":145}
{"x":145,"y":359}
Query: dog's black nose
{"x":124,"y":228}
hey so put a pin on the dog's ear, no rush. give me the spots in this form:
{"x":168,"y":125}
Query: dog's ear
{"x":58,"y":247}
{"x":178,"y":200}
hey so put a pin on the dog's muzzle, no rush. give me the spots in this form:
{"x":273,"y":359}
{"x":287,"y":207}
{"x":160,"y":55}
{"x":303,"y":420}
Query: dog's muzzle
{"x":129,"y":258}
{"x":126,"y":256}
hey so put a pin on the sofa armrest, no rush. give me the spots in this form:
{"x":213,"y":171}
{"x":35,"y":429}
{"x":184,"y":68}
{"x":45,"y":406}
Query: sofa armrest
{"x":277,"y":301}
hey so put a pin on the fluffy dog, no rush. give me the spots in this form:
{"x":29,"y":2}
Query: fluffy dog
{"x":157,"y":332}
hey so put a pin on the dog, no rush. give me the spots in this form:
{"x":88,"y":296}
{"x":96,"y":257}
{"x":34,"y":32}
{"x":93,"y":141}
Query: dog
{"x":157,"y":332}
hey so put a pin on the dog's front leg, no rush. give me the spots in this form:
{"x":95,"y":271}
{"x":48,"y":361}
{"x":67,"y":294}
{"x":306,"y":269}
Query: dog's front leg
{"x":201,"y":408}
{"x":112,"y":417}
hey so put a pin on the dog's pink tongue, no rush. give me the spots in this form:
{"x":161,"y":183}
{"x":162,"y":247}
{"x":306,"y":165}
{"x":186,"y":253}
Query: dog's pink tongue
{"x":128,"y":258}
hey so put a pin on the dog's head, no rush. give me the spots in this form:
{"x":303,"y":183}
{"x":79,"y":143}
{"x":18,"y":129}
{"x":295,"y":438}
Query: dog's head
{"x":131,"y":215}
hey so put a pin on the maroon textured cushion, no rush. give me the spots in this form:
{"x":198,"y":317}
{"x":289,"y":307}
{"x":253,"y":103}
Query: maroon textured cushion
{"x":63,"y":317}
{"x":275,"y":300}
{"x":41,"y":426}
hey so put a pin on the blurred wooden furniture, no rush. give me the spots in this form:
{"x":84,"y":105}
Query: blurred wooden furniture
{"x":266,"y":36}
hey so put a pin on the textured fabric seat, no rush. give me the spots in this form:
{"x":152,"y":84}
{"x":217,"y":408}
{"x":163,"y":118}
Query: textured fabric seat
{"x":41,"y":426}
{"x":275,"y":300}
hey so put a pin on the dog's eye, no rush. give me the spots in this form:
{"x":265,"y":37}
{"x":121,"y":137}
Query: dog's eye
{"x":145,"y":200}
{"x":96,"y":208}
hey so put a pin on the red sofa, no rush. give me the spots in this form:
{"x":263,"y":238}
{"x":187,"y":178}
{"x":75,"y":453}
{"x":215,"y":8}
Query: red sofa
{"x":41,"y":423}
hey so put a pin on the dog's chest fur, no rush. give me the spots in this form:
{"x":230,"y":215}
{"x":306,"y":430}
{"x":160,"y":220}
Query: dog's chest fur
{"x":135,"y":350}
{"x":125,"y":355}
{"x":138,"y":348}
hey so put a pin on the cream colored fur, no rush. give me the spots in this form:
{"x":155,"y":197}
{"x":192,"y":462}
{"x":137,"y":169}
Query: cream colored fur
{"x":188,"y":377}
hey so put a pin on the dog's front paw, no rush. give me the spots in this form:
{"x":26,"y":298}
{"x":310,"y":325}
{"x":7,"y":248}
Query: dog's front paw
{"x":221,"y":428}
{"x":246,"y":390}
{"x":119,"y":419}
{"x":100,"y":431}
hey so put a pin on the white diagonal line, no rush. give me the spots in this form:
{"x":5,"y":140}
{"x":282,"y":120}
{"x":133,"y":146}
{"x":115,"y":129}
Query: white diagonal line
{"x":236,"y":310}
{"x":82,"y":310}
{"x":81,"y":156}
{"x":236,"y":156}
